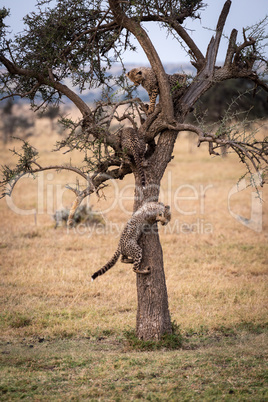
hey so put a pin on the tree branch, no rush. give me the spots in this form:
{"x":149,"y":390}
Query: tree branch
{"x":199,"y":59}
{"x":175,"y":23}
{"x":231,"y":48}
{"x":39,"y":169}
{"x":213,"y":47}
{"x":255,"y":153}
{"x":104,"y":28}
{"x":80,"y":195}
{"x":49,"y":81}
{"x":135,"y":28}
{"x":234,"y":67}
{"x":24,"y":94}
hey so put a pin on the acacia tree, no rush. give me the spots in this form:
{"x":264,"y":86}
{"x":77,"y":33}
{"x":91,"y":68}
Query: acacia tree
{"x":79,"y":40}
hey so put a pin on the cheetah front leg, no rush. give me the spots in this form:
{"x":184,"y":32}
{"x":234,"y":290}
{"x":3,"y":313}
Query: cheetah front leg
{"x":152,"y":97}
{"x":137,"y":260}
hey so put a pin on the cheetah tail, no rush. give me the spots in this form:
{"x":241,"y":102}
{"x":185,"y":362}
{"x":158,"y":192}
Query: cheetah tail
{"x":138,"y":163}
{"x":107,"y":266}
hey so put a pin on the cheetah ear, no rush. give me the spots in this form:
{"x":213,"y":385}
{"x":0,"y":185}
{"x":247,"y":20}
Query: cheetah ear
{"x":139,"y":72}
{"x":167,"y":208}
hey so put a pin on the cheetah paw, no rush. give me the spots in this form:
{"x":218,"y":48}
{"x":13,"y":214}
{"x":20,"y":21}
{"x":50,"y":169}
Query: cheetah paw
{"x":146,"y":271}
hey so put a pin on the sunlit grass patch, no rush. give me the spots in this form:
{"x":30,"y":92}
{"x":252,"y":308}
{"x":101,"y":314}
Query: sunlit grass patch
{"x":65,"y":337}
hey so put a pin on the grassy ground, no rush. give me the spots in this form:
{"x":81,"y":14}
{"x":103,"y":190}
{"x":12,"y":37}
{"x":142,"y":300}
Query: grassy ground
{"x":224,"y":366}
{"x":62,"y":338}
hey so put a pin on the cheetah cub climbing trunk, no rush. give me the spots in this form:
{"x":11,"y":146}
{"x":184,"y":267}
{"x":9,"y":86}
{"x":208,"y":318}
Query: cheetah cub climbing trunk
{"x":146,"y":216}
{"x":153,"y":318}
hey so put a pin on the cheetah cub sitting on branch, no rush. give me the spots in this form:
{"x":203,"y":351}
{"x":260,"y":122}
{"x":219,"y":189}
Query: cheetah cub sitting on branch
{"x":146,"y":77}
{"x":128,"y":247}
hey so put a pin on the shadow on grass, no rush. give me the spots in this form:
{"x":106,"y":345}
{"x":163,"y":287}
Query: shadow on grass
{"x":191,"y":339}
{"x":167,"y":341}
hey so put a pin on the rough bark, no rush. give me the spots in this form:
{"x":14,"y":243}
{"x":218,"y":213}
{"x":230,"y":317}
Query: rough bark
{"x":153,"y":318}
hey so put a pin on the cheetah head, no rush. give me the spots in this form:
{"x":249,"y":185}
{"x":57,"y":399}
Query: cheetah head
{"x":165,"y":216}
{"x":136,"y":76}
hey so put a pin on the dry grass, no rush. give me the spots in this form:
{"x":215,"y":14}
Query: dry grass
{"x":216,"y":270}
{"x":83,"y":369}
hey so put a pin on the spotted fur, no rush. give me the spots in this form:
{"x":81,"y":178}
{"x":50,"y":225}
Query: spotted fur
{"x":128,"y":246}
{"x":134,"y":146}
{"x":145,"y":77}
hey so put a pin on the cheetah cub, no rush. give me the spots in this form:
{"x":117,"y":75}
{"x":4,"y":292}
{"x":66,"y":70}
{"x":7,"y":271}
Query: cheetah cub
{"x":146,"y":77}
{"x":128,"y":246}
{"x":133,"y":144}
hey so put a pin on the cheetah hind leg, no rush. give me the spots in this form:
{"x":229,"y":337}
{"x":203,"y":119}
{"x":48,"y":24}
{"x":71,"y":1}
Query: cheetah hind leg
{"x":136,"y":265}
{"x":126,"y":260}
{"x":152,"y":96}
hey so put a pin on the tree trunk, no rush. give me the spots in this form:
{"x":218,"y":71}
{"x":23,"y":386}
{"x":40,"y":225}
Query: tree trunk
{"x":153,"y":318}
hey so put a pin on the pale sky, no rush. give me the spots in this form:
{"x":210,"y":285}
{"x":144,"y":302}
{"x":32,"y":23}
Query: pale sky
{"x":243,"y":13}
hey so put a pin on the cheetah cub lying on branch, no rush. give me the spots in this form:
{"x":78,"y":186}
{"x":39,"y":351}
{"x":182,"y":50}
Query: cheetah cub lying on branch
{"x":128,"y":247}
{"x":146,"y":77}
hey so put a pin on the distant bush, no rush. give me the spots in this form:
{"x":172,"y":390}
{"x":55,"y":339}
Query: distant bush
{"x":83,"y":214}
{"x":51,"y":113}
{"x":233,"y":95}
{"x":12,"y":123}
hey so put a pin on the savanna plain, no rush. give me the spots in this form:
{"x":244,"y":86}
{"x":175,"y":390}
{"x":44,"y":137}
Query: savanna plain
{"x":65,"y":338}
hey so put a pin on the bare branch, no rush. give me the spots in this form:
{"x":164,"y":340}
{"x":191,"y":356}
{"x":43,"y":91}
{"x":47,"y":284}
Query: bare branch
{"x":213,"y":47}
{"x":127,"y":116}
{"x":135,"y":28}
{"x":247,"y":43}
{"x":11,"y":183}
{"x":80,"y":195}
{"x":254,"y":153}
{"x":199,"y":59}
{"x":231,"y":48}
{"x":238,"y":64}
